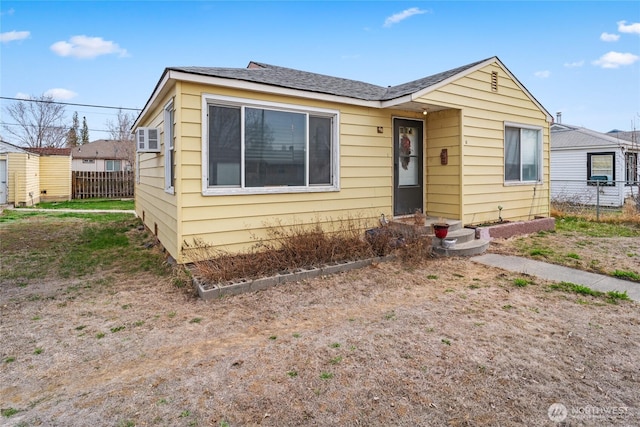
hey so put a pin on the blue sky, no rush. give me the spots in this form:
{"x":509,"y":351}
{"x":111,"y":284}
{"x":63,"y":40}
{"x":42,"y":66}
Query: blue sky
{"x":578,"y":57}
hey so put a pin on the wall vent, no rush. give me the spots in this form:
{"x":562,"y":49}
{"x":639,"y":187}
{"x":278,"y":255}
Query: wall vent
{"x":494,"y":81}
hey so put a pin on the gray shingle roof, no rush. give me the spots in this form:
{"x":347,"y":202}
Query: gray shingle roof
{"x":102,"y":149}
{"x":319,"y":83}
{"x":568,"y":136}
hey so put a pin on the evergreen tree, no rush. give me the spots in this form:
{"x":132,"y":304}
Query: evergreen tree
{"x":85,"y":131}
{"x":72,"y":134}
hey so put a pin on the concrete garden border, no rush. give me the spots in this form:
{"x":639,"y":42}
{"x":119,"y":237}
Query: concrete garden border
{"x":509,"y":229}
{"x":208,"y":291}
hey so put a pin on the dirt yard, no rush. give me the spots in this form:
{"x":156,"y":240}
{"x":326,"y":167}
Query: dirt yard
{"x":445,"y":343}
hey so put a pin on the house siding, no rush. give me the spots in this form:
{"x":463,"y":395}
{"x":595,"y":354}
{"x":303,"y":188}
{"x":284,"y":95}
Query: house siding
{"x":156,"y":207}
{"x":234,"y":222}
{"x":480,"y":149}
{"x":55,"y":178}
{"x":468,"y":122}
{"x":23,"y":179}
{"x":569,"y":178}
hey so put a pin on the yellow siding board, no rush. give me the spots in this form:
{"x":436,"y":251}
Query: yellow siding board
{"x":55,"y":178}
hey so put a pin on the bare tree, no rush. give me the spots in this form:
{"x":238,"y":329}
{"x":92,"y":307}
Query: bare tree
{"x":120,"y":131}
{"x":38,"y":122}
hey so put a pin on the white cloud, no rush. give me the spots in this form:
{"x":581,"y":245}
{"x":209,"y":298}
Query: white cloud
{"x":574,"y":64}
{"x":631,"y":28}
{"x":87,"y":47}
{"x":616,"y":59}
{"x":21,"y":95}
{"x":8,"y":12}
{"x":60,"y":94}
{"x":14,"y":35}
{"x":542,"y":74}
{"x":401,"y":16}
{"x":606,"y":37}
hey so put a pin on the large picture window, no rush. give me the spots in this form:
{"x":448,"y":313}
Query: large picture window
{"x":601,"y":169}
{"x":252,"y":148}
{"x":522,"y":154}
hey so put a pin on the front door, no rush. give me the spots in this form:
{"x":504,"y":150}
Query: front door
{"x":3,"y":182}
{"x":408,"y":171}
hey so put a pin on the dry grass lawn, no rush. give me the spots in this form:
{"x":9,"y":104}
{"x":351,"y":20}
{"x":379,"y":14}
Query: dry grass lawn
{"x":446,"y":342}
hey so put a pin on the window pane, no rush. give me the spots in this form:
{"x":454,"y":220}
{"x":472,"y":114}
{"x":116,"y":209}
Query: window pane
{"x":224,"y":146}
{"x":512,"y":154}
{"x":319,"y":150}
{"x":530,"y":154}
{"x":274,"y":148}
{"x":602,"y":165}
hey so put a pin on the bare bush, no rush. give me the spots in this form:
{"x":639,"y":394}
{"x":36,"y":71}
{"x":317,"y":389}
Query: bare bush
{"x":288,"y":248}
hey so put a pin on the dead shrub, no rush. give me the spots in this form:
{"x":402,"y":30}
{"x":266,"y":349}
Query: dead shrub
{"x":287,"y":248}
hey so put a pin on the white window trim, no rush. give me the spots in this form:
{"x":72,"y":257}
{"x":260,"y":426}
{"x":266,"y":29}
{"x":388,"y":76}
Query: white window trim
{"x":169,"y":141}
{"x":540,"y":152}
{"x":208,"y":98}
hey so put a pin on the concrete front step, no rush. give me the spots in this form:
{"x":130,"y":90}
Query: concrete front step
{"x":466,"y":242}
{"x":474,"y":247}
{"x":462,"y":235}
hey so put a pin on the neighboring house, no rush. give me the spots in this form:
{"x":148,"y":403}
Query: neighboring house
{"x":225,"y":152}
{"x":590,"y":167}
{"x":103,"y":155}
{"x":29,"y":176}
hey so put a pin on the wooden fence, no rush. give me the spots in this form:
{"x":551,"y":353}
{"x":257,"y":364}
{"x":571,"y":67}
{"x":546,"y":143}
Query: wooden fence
{"x":109,"y":185}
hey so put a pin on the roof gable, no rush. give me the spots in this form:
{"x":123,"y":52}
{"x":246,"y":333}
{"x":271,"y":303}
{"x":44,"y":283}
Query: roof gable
{"x":6,"y":147}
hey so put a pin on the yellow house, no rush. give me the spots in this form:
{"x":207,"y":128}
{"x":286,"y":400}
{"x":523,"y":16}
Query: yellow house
{"x":30,"y":176}
{"x":225,"y":152}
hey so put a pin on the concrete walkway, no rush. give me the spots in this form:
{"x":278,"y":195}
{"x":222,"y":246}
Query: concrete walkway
{"x":598,"y":282}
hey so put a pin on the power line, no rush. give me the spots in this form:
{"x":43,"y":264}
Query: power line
{"x":69,"y":103}
{"x":62,"y":127}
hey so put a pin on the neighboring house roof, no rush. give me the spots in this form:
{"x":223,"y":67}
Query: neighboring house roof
{"x":50,"y":151}
{"x":575,"y":137}
{"x":100,"y":149}
{"x":633,"y":136}
{"x":6,"y":147}
{"x":270,"y":78}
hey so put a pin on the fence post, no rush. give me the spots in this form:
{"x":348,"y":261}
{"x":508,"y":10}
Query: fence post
{"x":597,"y":200}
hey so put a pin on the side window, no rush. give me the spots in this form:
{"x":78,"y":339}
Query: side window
{"x":169,"y":149}
{"x":601,"y":169}
{"x":522,"y":154}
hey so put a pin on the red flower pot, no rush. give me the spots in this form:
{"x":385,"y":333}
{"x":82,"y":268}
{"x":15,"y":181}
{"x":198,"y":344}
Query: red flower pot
{"x":440,"y":230}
